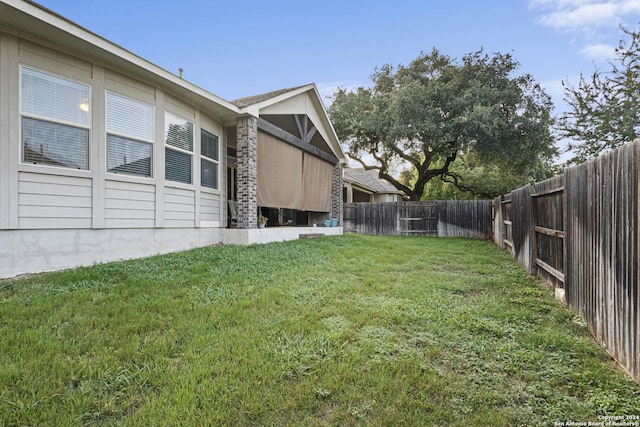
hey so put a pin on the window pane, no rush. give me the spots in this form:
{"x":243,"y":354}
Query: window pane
{"x":54,"y":144}
{"x":129,"y":117}
{"x":127,"y":156}
{"x":177,"y":166}
{"x":208,"y":174}
{"x":209,"y":145}
{"x":54,"y":97}
{"x":178,"y":132}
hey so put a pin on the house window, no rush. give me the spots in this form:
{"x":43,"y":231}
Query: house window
{"x":129,"y":136}
{"x":55,"y":120}
{"x":179,"y":149}
{"x":209,"y":151}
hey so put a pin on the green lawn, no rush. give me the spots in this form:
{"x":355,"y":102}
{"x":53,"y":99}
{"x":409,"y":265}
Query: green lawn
{"x":353,"y":330}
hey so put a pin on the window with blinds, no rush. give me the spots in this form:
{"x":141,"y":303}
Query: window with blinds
{"x":55,"y":119}
{"x":178,"y":149}
{"x":209,"y":158}
{"x":129,"y":136}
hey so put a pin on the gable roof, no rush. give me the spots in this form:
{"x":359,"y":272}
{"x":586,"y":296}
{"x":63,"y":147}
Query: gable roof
{"x":303,"y":99}
{"x":370,"y":180}
{"x":256,"y":99}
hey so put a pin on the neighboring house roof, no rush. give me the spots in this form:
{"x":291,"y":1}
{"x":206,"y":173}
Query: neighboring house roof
{"x":369,"y":180}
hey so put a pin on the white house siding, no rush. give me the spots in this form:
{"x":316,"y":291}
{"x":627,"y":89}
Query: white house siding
{"x":130,"y":205}
{"x":179,"y":207}
{"x":209,"y":209}
{"x":386,"y":198}
{"x":54,"y":217}
{"x":53,"y":201}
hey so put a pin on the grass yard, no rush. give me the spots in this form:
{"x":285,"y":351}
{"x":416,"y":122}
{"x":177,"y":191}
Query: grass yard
{"x":353,"y":330}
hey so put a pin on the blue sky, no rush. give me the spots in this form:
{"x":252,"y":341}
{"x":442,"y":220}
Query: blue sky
{"x":240,"y":48}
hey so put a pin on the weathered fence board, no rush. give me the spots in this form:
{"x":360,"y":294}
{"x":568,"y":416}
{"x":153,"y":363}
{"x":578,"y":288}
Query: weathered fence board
{"x":349,"y":218}
{"x":547,"y":210}
{"x":462,"y":218}
{"x":580,"y":232}
{"x":442,"y":218}
{"x":498,"y":225}
{"x":602,"y":251}
{"x":417,"y":218}
{"x":522,"y":229}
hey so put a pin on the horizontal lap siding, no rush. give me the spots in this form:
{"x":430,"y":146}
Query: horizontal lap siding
{"x":53,"y":201}
{"x":129,"y":205}
{"x":179,"y":207}
{"x":209,"y":207}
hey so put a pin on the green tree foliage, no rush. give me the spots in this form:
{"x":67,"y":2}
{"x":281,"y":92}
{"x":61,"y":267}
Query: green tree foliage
{"x":603,"y":108}
{"x":437,"y":109}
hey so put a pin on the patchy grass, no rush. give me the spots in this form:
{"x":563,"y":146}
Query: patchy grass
{"x":352,"y":330}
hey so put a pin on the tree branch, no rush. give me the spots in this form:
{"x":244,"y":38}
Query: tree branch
{"x":403,"y":155}
{"x":456,"y":181}
{"x":382,"y":173}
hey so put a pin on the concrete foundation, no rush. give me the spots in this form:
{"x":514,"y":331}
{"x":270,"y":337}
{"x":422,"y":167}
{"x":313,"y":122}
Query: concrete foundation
{"x":37,"y":251}
{"x":232,"y":236}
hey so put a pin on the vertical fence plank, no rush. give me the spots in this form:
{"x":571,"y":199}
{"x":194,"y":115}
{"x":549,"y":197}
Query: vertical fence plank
{"x":521,"y":227}
{"x":498,"y":224}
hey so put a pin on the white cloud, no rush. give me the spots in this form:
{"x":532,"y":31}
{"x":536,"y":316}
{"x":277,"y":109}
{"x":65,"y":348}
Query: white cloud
{"x":584,"y":16}
{"x":599,"y":52}
{"x":589,"y":16}
{"x":630,"y":7}
{"x":328,"y":89}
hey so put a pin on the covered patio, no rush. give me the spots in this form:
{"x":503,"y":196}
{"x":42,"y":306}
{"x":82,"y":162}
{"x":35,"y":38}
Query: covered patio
{"x":284,"y":162}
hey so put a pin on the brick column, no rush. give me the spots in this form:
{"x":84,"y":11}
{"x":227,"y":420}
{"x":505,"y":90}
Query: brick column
{"x":336,"y":193}
{"x":247,"y":152}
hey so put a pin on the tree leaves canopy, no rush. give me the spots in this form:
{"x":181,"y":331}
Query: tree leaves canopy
{"x":428,"y":113}
{"x":604,"y":108}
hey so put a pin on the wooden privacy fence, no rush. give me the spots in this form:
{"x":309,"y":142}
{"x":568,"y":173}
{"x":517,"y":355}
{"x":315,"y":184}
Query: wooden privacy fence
{"x":580,"y":232}
{"x":450,"y":218}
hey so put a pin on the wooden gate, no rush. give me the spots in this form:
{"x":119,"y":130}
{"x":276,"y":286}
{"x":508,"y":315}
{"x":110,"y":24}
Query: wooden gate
{"x":417,"y":219}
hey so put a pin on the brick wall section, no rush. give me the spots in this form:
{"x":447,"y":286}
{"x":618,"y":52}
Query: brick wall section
{"x":336,"y":193}
{"x":247,"y":152}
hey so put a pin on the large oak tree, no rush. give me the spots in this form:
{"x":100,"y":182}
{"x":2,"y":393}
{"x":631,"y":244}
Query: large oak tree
{"x":430,"y":112}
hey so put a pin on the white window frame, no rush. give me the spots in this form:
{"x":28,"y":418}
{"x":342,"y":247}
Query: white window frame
{"x":171,"y":117}
{"x":210,"y":160}
{"x":130,"y":136}
{"x":86,"y":103}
